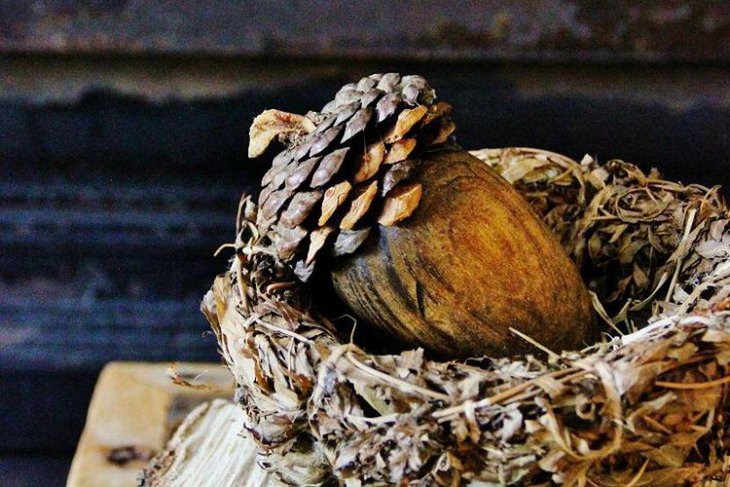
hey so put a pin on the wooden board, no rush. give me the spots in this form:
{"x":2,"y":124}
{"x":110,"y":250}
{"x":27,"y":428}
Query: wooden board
{"x":134,"y":411}
{"x":209,"y":449}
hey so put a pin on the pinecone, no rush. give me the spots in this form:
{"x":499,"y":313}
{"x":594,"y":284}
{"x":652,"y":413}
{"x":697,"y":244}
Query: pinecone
{"x":346,"y":167}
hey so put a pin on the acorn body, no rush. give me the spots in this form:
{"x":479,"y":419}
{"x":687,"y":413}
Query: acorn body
{"x":471,"y":262}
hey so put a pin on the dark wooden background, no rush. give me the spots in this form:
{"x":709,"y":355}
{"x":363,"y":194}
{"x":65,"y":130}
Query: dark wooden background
{"x":123,"y":128}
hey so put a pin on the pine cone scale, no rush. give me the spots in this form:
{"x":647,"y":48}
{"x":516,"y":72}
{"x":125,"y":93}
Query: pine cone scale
{"x":336,"y":180}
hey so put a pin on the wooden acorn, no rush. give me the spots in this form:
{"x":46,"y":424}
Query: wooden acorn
{"x":471,"y":262}
{"x":455,"y":256}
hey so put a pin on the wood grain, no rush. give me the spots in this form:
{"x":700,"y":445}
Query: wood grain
{"x":471,"y":262}
{"x":134,"y":411}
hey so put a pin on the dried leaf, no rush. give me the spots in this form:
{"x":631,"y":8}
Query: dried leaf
{"x":359,"y":207}
{"x":370,"y":162}
{"x":275,"y":123}
{"x":400,"y":151}
{"x":405,"y":122}
{"x":334,"y":197}
{"x":400,"y":204}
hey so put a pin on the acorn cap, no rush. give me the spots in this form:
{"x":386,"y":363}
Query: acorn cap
{"x":346,"y":168}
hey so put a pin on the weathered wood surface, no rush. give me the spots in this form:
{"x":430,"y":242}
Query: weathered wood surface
{"x":134,"y":411}
{"x":475,"y":30}
{"x":209,"y":449}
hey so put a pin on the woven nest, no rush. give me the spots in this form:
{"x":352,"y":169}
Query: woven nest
{"x":645,"y":406}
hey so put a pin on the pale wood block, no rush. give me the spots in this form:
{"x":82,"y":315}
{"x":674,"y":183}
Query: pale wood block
{"x":210,"y":449}
{"x":134,"y":410}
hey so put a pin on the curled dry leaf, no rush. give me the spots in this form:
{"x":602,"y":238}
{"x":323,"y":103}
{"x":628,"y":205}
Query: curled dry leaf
{"x":334,"y":197}
{"x":406,"y":120}
{"x":400,"y":204}
{"x":400,"y":151}
{"x":370,"y":162}
{"x":275,"y":123}
{"x":359,"y":207}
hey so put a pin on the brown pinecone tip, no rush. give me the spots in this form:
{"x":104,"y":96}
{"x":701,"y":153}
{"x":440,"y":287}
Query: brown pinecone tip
{"x":345,"y":168}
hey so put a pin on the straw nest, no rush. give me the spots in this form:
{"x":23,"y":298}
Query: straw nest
{"x":645,"y":406}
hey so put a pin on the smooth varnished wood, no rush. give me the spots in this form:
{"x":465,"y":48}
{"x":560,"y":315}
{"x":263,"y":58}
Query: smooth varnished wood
{"x":472,"y":261}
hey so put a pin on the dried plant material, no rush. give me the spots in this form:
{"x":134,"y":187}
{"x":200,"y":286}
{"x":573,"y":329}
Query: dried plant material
{"x":288,"y":241}
{"x":389,"y":82}
{"x":436,"y":112}
{"x":370,"y":162}
{"x":348,"y":241}
{"x":344,"y":141}
{"x":275,"y":123}
{"x":404,"y":123}
{"x":316,"y":241}
{"x":334,"y":197}
{"x":301,"y":150}
{"x":272,"y":174}
{"x":400,"y":151}
{"x":299,"y":208}
{"x":301,"y":173}
{"x":359,"y":207}
{"x":347,"y":95}
{"x":346,"y":112}
{"x":649,"y":405}
{"x":275,"y":201}
{"x":329,"y":166}
{"x":357,"y":123}
{"x":396,"y":173}
{"x":322,"y":141}
{"x":400,"y":204}
{"x":369,"y":96}
{"x":211,"y":432}
{"x":444,"y":130}
{"x":387,"y":106}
